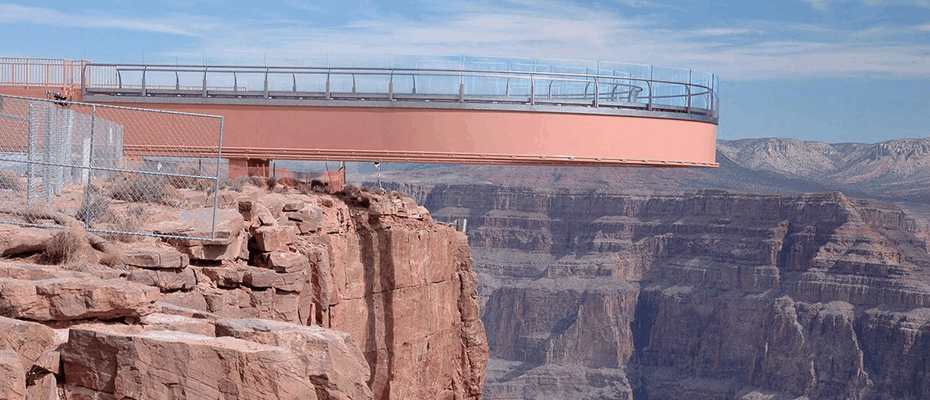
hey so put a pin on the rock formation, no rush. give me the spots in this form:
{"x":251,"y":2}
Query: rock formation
{"x":301,"y":296}
{"x":594,"y":294}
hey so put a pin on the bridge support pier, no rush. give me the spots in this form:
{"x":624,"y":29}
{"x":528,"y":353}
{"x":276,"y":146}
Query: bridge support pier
{"x":249,"y":167}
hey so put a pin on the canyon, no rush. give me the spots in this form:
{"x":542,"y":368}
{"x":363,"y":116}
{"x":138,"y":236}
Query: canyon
{"x":793,"y":277}
{"x":704,"y":294}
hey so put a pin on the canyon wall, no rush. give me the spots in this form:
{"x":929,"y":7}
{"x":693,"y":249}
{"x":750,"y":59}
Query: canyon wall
{"x":696,"y":295}
{"x":301,"y":295}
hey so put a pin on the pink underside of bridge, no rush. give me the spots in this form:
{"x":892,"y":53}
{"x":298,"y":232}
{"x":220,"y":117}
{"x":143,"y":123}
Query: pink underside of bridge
{"x":455,"y":136}
{"x":254,"y":134}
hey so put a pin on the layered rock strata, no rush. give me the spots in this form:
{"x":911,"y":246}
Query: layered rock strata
{"x":700,"y":295}
{"x":307,"y":296}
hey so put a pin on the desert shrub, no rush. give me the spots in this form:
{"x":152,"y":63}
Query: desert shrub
{"x":96,"y":210}
{"x":113,"y":258}
{"x":69,"y":246}
{"x":353,"y":194}
{"x":132,"y":220}
{"x":257,"y":181}
{"x":146,"y":189}
{"x":9,"y":180}
{"x":236,"y":184}
{"x":271,"y":182}
{"x":183,"y":182}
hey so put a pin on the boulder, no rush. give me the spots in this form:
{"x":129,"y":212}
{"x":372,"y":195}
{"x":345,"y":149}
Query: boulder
{"x":333,"y":362}
{"x":259,"y":278}
{"x":192,"y":300}
{"x":227,"y":199}
{"x":166,"y":364}
{"x":66,"y":299}
{"x":44,"y":387}
{"x":12,"y":376}
{"x":224,"y":277}
{"x":178,"y":323}
{"x":33,"y":343}
{"x":274,"y":238}
{"x":287,"y":261}
{"x":155,"y":258}
{"x":199,"y":224}
{"x":34,"y":272}
{"x":293,"y":205}
{"x":17,"y":240}
{"x":167,"y":280}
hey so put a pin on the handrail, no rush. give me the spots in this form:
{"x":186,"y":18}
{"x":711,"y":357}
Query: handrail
{"x":483,"y":85}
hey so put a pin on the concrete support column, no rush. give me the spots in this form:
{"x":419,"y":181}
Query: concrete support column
{"x":249,"y":167}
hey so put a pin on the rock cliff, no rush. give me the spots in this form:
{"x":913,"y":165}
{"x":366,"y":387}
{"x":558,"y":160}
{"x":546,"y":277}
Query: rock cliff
{"x":709,"y":294}
{"x":303,"y":296}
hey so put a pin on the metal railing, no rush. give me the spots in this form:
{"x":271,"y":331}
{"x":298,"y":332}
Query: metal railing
{"x":685,"y":91}
{"x":40,"y":72}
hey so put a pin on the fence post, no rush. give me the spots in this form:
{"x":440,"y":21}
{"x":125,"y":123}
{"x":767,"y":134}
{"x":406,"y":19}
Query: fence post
{"x":33,"y":149}
{"x":90,"y":172}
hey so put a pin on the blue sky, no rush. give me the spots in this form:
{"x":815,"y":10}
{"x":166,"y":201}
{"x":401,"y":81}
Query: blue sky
{"x":831,"y":70}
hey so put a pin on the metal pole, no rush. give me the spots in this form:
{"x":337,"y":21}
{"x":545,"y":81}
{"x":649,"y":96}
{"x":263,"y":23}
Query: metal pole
{"x":33,"y":147}
{"x":87,"y":204}
{"x":266,"y":83}
{"x":532,"y":89}
{"x":597,"y":92}
{"x":216,"y":184}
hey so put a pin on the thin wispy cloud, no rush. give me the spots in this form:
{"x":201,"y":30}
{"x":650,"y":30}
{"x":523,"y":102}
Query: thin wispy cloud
{"x":176,"y":25}
{"x":824,"y":5}
{"x":734,"y":48}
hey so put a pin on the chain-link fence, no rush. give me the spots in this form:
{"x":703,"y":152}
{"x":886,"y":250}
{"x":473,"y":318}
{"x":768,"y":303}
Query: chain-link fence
{"x":117,"y":170}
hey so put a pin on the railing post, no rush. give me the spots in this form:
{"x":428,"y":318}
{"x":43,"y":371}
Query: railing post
{"x":83,"y":81}
{"x":532,"y":89}
{"x":391,"y":88}
{"x":266,"y":83}
{"x":143,"y":81}
{"x":597,"y":93}
{"x":177,"y":81}
{"x":328,"y":96}
{"x":294,"y":80}
{"x":414,"y":77}
{"x":507,"y":88}
{"x":549,"y":95}
{"x":688,"y":92}
{"x":235,"y":83}
{"x":649,"y":86}
{"x":204,"y":82}
{"x":90,"y":167}
{"x":461,"y":92}
{"x":353,"y":84}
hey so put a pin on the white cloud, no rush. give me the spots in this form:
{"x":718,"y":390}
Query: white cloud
{"x":823,"y":5}
{"x":737,"y":49}
{"x":723,"y":32}
{"x":178,"y":24}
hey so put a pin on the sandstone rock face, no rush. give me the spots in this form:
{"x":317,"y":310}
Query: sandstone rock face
{"x":300,"y":296}
{"x":165,"y":364}
{"x":699,"y":295}
{"x":12,"y":376}
{"x":334,"y":363}
{"x":16,"y":240}
{"x":65,"y":299}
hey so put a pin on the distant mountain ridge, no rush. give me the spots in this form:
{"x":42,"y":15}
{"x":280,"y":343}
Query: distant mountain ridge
{"x":892,"y":170}
{"x":897,"y":171}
